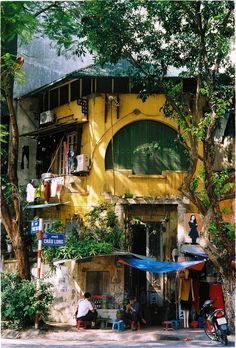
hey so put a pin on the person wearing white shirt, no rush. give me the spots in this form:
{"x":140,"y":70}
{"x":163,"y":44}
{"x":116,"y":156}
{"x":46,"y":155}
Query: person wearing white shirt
{"x":86,"y":311}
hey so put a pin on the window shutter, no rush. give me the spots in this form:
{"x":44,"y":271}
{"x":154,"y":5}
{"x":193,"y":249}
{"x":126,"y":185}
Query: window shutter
{"x":147,"y":147}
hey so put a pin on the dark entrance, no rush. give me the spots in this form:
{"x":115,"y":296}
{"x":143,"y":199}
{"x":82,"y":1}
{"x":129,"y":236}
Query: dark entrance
{"x":135,"y":280}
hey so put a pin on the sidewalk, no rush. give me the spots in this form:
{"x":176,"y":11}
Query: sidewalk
{"x":63,"y":332}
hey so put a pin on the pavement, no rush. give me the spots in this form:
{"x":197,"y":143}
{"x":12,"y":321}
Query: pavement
{"x":63,"y":332}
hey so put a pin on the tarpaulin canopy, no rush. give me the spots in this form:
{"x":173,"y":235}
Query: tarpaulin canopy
{"x":148,"y":265}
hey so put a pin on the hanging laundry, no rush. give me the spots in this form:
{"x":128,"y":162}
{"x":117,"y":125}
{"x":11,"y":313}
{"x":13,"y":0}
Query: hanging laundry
{"x":37,"y":194}
{"x":30,"y":191}
{"x":53,"y":187}
{"x":46,"y":185}
{"x":56,"y":185}
{"x":60,"y":183}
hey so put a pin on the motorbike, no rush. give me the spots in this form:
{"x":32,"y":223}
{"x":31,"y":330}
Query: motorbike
{"x":216,"y":325}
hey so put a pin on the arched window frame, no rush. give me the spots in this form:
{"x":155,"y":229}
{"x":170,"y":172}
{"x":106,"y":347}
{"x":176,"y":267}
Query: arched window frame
{"x":147,"y":147}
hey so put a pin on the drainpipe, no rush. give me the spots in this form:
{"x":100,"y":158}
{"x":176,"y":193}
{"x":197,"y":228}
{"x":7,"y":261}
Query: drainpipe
{"x":111,"y":98}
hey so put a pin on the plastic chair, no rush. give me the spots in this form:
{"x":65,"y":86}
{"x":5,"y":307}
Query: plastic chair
{"x":175,"y":324}
{"x":118,"y":325}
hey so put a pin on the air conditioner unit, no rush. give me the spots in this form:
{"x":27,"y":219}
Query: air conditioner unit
{"x":46,"y":117}
{"x":82,"y":163}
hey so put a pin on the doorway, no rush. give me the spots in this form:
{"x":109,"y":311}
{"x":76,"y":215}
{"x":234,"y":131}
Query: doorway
{"x":135,"y":279}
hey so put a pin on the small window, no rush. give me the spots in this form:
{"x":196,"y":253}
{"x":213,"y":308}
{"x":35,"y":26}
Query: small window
{"x":54,"y":98}
{"x":45,"y":105}
{"x":86,"y":86}
{"x":64,"y":95}
{"x":71,"y":151}
{"x":75,"y":90}
{"x":97,"y":283}
{"x":121,"y":85}
{"x":104,"y":85}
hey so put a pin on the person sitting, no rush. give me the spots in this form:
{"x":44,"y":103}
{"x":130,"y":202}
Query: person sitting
{"x":86,"y":311}
{"x":133,"y":312}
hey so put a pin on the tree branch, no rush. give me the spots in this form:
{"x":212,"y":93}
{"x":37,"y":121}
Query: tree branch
{"x":42,"y":10}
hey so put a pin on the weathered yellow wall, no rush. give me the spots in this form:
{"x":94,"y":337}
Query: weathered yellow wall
{"x":88,"y":191}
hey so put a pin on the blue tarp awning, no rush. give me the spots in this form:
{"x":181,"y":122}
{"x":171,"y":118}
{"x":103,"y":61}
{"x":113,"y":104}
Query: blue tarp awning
{"x":148,"y":265}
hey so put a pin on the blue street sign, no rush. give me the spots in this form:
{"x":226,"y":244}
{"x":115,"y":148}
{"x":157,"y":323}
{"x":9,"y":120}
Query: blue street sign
{"x":34,"y":226}
{"x":53,"y":239}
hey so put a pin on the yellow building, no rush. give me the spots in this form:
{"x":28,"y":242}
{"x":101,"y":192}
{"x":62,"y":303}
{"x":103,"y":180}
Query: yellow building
{"x":96,"y":141}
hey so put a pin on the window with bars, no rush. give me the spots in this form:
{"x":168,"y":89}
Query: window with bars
{"x":147,"y":148}
{"x":69,"y":144}
{"x":97,"y":282}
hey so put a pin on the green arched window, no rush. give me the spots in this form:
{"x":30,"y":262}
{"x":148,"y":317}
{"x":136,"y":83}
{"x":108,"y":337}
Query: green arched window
{"x":147,"y":147}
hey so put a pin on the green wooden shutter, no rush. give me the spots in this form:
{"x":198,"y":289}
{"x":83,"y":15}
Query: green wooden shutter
{"x":139,"y":139}
{"x":146,"y":147}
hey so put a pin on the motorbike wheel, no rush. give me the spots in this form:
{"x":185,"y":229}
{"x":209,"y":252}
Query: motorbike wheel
{"x":224,"y":339}
{"x":210,"y":334}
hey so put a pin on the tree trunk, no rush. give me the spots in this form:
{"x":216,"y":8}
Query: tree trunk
{"x":11,"y":211}
{"x":229,"y":297}
{"x":18,"y":244}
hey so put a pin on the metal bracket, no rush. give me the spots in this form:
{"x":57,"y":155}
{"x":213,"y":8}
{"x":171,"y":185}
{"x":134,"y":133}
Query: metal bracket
{"x":84,"y":106}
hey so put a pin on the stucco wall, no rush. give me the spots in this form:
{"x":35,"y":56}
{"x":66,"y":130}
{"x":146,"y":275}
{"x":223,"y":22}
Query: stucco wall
{"x":69,"y":284}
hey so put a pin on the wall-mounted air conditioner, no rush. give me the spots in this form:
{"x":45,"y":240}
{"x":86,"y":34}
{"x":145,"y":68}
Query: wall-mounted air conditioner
{"x":46,"y":117}
{"x":82,"y":163}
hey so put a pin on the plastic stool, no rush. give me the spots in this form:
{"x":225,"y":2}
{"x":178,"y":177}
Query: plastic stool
{"x":118,"y":325}
{"x":167,"y":325}
{"x":175,"y":324}
{"x":132,"y":325}
{"x":81,"y":324}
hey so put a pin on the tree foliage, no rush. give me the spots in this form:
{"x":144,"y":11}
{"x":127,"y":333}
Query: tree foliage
{"x":20,"y":301}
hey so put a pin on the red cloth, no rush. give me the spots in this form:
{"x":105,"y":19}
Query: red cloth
{"x":216,"y":292}
{"x":46,"y":185}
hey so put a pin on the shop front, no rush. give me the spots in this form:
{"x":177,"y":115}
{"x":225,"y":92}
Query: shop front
{"x":206,"y":283}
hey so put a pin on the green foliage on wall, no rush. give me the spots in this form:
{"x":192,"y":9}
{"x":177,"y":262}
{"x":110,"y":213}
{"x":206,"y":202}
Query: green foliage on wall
{"x":99,"y":234}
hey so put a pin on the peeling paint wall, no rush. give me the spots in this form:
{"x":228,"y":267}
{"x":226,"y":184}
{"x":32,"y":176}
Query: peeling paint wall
{"x":69,"y":285}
